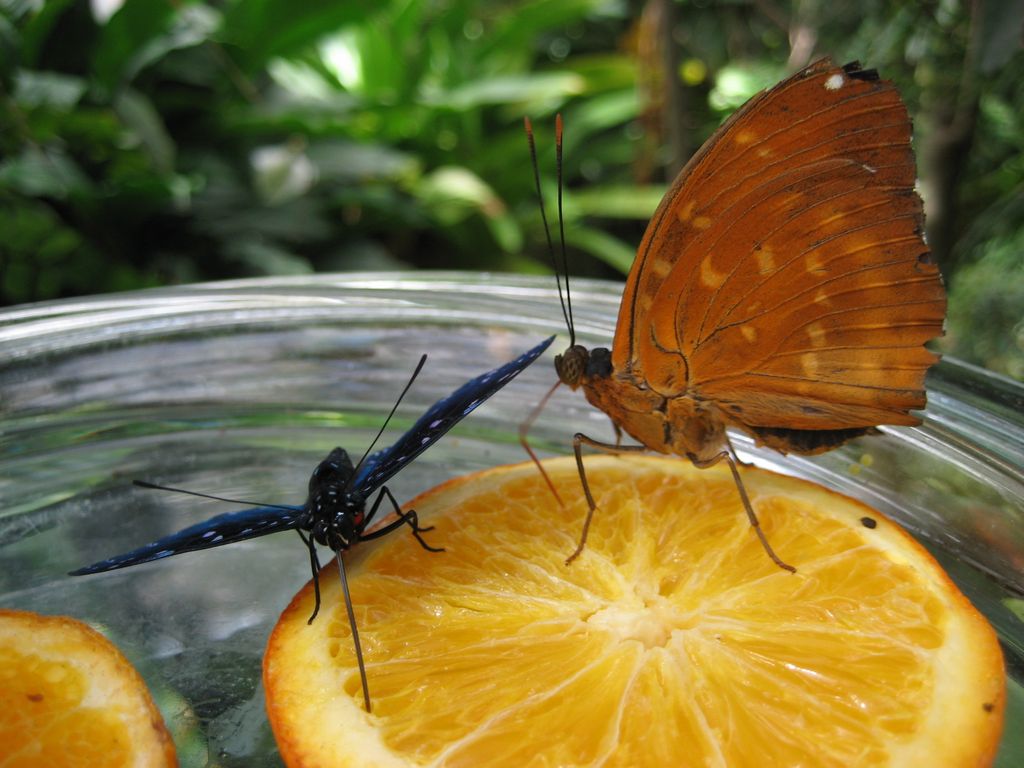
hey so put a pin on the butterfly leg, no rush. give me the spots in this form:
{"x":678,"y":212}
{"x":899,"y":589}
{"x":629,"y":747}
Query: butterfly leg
{"x":736,"y":457}
{"x":314,"y":564}
{"x":578,"y":441}
{"x":409,"y":518}
{"x":524,"y":427}
{"x":618,"y":433}
{"x":754,"y":522}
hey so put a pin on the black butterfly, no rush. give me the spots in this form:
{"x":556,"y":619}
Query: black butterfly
{"x":335,"y":513}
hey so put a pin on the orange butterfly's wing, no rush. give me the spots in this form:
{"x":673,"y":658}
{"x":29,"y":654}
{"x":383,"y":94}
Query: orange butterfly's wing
{"x":784,"y":277}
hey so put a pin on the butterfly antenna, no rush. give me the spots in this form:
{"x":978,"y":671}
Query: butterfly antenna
{"x":394,"y":408}
{"x":355,"y":632}
{"x":544,"y":218}
{"x":155,"y":487}
{"x":567,"y":308}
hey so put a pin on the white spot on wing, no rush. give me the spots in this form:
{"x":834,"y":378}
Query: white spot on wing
{"x":835,"y":82}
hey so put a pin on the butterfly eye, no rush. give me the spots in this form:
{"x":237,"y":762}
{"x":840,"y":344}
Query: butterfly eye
{"x":599,"y":363}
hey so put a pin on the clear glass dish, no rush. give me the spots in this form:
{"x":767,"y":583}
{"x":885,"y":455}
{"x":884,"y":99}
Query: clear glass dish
{"x":239,"y":388}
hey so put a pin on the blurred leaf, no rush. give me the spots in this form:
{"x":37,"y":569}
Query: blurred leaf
{"x":453,"y":192}
{"x":36,"y":21}
{"x":264,"y":258}
{"x":350,"y":162}
{"x":48,"y":89}
{"x":191,"y":25}
{"x":306,"y":81}
{"x":506,"y":232}
{"x":9,"y":44}
{"x":365,"y":61}
{"x":143,"y":121}
{"x":44,"y":256}
{"x":986,"y":304}
{"x":102,"y":10}
{"x":358,"y":253}
{"x":340,"y":132}
{"x":606,"y":72}
{"x":1016,"y":607}
{"x":736,"y":83}
{"x":120,"y":51}
{"x":603,"y":246}
{"x":599,"y":113}
{"x":43,"y":173}
{"x":517,"y":25}
{"x":611,"y":202}
{"x":550,"y":86}
{"x":262,"y":29}
{"x":228,"y":210}
{"x":31,"y":230}
{"x":282,"y":172}
{"x":1005,"y":123}
{"x":999,"y":35}
{"x":143,"y":32}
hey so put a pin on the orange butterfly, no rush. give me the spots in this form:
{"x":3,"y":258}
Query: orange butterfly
{"x":782,"y":287}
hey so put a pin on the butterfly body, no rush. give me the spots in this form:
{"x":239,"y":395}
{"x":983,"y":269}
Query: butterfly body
{"x":783,"y":286}
{"x":335,"y":512}
{"x":785,"y":277}
{"x":680,"y":425}
{"x":334,"y":515}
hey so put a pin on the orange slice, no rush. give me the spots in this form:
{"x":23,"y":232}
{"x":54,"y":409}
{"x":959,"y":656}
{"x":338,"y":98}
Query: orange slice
{"x":69,"y":698}
{"x":672,"y":641}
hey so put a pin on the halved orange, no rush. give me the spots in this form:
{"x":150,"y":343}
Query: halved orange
{"x":672,"y":641}
{"x":69,"y":698}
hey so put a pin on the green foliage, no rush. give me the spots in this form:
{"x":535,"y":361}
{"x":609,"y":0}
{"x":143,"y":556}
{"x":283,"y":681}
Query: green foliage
{"x":986,"y":303}
{"x":162,"y":141}
{"x":193,"y":141}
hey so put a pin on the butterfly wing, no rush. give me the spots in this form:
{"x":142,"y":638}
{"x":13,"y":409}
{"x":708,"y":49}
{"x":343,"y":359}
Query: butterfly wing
{"x":439,"y":418}
{"x":215,"y":532}
{"x":784,"y":276}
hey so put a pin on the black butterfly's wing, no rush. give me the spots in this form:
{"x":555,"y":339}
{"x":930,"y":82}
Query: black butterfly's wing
{"x":217,"y":531}
{"x":439,"y":418}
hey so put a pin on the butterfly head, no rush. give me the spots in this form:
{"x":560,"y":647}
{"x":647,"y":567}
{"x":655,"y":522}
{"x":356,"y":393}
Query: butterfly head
{"x":578,"y":363}
{"x":337,"y":517}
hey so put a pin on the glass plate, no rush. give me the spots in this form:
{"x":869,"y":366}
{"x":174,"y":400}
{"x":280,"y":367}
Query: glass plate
{"x":240,"y":388}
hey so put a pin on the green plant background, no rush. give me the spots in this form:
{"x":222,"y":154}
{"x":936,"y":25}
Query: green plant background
{"x":151,"y":142}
